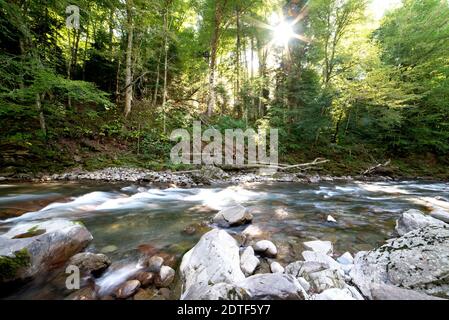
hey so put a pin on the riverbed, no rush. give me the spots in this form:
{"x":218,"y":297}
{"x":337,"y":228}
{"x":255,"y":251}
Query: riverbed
{"x":126,"y":219}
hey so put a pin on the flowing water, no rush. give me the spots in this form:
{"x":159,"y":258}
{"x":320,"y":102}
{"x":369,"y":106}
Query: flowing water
{"x":125,"y":219}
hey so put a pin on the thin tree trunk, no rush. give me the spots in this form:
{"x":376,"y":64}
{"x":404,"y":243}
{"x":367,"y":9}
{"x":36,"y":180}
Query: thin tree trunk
{"x":111,"y":28}
{"x":117,"y":81}
{"x":129,"y":53}
{"x":164,"y":95}
{"x":156,"y":89}
{"x":85,"y":46}
{"x":41,"y":114}
{"x":219,"y":7}
{"x":237,"y":65}
{"x":75,"y":52}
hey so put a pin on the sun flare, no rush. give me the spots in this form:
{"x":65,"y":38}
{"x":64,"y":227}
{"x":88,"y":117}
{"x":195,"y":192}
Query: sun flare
{"x":283,"y":33}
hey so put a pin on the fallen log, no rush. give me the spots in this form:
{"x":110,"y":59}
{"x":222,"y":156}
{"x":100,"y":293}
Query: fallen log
{"x":374,"y":168}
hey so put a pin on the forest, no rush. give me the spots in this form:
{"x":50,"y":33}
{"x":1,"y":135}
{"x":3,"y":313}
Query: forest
{"x":103,"y":83}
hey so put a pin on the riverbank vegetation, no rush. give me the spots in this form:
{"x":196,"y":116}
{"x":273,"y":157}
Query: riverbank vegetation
{"x":338,"y":79}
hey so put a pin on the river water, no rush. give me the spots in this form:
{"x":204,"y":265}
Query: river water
{"x":123,"y":219}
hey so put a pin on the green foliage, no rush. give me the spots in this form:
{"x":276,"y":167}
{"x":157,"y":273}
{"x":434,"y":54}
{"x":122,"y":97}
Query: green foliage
{"x":357,"y":87}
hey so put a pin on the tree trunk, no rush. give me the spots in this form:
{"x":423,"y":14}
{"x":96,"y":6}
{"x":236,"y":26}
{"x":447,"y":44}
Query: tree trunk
{"x":41,"y":114}
{"x":129,"y":53}
{"x":237,"y":65}
{"x":219,"y":8}
{"x":156,"y":89}
{"x":164,"y":94}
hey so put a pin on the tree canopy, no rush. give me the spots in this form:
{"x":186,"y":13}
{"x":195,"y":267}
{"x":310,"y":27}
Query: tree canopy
{"x":336,"y":81}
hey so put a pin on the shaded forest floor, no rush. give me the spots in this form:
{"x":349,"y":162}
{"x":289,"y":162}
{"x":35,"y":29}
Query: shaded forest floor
{"x":57,"y":157}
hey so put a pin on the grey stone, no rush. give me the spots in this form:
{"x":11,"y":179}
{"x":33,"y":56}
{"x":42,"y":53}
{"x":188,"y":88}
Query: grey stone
{"x":219,"y":291}
{"x":274,"y":286}
{"x":276,"y":267}
{"x":248,"y":261}
{"x":389,"y":292}
{"x":266,"y":248}
{"x":419,"y":260}
{"x":440,"y":214}
{"x":321,"y":258}
{"x":414,"y":219}
{"x":44,"y":245}
{"x":165,"y":277}
{"x":334,"y":294}
{"x":214,"y":259}
{"x":155,"y":263}
{"x":324,"y":247}
{"x":127,"y":289}
{"x":346,"y":259}
{"x":90,"y":262}
{"x":233,"y":216}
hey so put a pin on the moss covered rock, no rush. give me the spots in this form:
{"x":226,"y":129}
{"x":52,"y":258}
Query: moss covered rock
{"x":32,"y":248}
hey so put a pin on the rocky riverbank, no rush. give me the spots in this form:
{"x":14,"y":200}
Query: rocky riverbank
{"x":238,"y":265}
{"x":207,"y":175}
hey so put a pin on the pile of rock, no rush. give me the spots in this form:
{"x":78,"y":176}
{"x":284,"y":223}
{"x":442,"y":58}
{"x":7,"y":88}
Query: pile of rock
{"x":413,"y":266}
{"x":215,"y":269}
{"x":152,"y":282}
{"x":128,"y":175}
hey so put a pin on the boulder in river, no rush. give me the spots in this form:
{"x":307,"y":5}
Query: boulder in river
{"x":414,"y":219}
{"x":155,"y":263}
{"x":145,"y":278}
{"x":274,"y":286}
{"x":324,"y":247}
{"x":233,"y":216}
{"x":128,"y":289}
{"x":266,"y":248}
{"x":440,"y":214}
{"x":90,"y":263}
{"x":32,"y":248}
{"x":165,"y":277}
{"x":248,"y":261}
{"x":419,"y":260}
{"x":214,"y":259}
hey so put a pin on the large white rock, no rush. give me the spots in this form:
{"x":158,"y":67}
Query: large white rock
{"x":233,"y":216}
{"x":414,"y":219}
{"x":248,"y":261}
{"x":324,"y":247}
{"x":274,"y":286}
{"x":419,"y":260}
{"x":214,"y":259}
{"x":334,"y":294}
{"x":38,"y":247}
{"x":266,"y":248}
